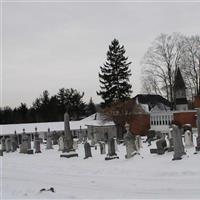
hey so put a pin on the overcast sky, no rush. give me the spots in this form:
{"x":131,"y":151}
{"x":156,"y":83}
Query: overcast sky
{"x":55,"y":45}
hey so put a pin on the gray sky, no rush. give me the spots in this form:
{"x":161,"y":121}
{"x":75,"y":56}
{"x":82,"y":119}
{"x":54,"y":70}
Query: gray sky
{"x":55,"y":45}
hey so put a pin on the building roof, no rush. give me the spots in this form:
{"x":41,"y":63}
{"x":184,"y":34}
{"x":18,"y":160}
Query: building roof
{"x":152,"y":100}
{"x":179,"y":82}
{"x":181,"y":101}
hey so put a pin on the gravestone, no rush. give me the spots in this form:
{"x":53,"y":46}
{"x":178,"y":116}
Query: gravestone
{"x":13,"y":143}
{"x":178,"y":143}
{"x":37,"y":146}
{"x":87,"y":149}
{"x":161,"y":145}
{"x":102,"y":147}
{"x":130,"y":143}
{"x":29,"y":141}
{"x":138,"y":142}
{"x":49,"y":140}
{"x":55,"y":138}
{"x":188,"y":139}
{"x":150,"y":137}
{"x":68,"y":151}
{"x":24,"y":143}
{"x":170,"y":139}
{"x":92,"y":140}
{"x":75,"y":144}
{"x":1,"y":153}
{"x":37,"y":142}
{"x":111,"y":150}
{"x":3,"y":145}
{"x":60,"y":143}
{"x":16,"y":138}
{"x":116,"y":145}
{"x":198,"y":130}
{"x":8,"y":145}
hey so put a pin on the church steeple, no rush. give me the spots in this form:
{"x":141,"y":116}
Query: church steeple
{"x":179,"y":88}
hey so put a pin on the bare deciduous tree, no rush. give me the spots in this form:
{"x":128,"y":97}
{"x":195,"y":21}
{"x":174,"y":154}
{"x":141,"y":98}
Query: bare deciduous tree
{"x":160,"y":63}
{"x":190,"y":64}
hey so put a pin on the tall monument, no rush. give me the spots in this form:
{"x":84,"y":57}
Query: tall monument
{"x":68,"y":150}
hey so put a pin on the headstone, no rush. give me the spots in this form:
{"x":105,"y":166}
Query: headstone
{"x":37,"y":142}
{"x":75,"y":144}
{"x":161,"y":145}
{"x":150,"y":137}
{"x":37,"y":146}
{"x":102,"y":147}
{"x":16,"y":138}
{"x":93,"y":140}
{"x":24,"y":143}
{"x":116,"y":145}
{"x":8,"y":144}
{"x":68,"y":151}
{"x":29,"y":141}
{"x":1,"y":153}
{"x":178,"y":143}
{"x":87,"y":149}
{"x":130,"y":143}
{"x":188,"y":139}
{"x":60,"y":143}
{"x":13,"y":143}
{"x":55,"y":138}
{"x":138,"y":142}
{"x":49,"y":140}
{"x":170,"y":139}
{"x":3,"y":145}
{"x":111,"y":150}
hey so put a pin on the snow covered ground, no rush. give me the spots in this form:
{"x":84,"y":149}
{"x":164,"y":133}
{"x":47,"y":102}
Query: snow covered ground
{"x":148,"y":176}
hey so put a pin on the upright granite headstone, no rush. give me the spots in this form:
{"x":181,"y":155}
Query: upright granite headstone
{"x":37,"y":146}
{"x":188,"y":139}
{"x":87,"y":149}
{"x":111,"y":150}
{"x":116,"y":145}
{"x":24,"y":143}
{"x":16,"y":138}
{"x":170,"y":139}
{"x":102,"y":147}
{"x":138,"y":142}
{"x":61,"y":143}
{"x":8,"y":144}
{"x":161,"y":145}
{"x":68,"y":151}
{"x":130,"y":143}
{"x":93,"y":142}
{"x":37,"y":142}
{"x":49,"y":140}
{"x":55,"y":138}
{"x":3,"y":145}
{"x":13,"y":143}
{"x":178,"y":143}
{"x":75,"y":144}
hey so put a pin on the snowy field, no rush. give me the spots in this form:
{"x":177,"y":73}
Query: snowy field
{"x":148,"y":176}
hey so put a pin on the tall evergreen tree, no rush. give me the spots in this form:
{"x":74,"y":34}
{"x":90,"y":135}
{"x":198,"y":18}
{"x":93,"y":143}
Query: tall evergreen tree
{"x":114,"y":75}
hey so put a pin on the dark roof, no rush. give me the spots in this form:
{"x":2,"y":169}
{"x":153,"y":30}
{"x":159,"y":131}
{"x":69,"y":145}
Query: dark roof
{"x":181,"y":101}
{"x":179,"y":82}
{"x":151,"y":100}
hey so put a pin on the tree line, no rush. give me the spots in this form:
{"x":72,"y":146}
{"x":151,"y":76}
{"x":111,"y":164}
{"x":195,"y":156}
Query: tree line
{"x":48,"y":108}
